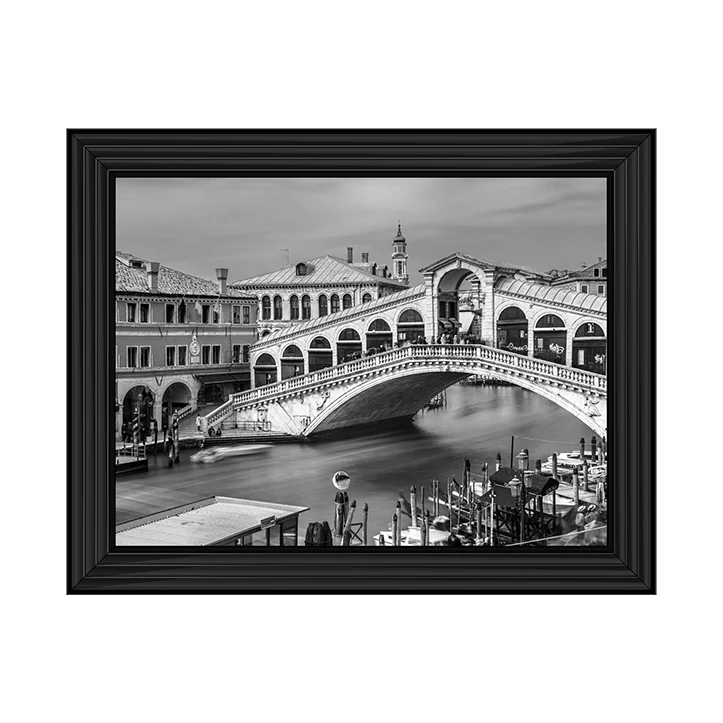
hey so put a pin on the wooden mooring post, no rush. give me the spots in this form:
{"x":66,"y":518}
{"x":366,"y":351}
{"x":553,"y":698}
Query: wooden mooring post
{"x":585,"y":473}
{"x":575,"y":487}
{"x":413,"y":505}
{"x":593,"y":448}
{"x":449,"y":502}
{"x":394,"y":529}
{"x":346,"y":534}
{"x":341,"y":502}
{"x":365,"y":516}
{"x":554,"y":465}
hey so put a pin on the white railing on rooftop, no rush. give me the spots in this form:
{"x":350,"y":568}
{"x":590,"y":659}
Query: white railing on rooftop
{"x":488,"y":358}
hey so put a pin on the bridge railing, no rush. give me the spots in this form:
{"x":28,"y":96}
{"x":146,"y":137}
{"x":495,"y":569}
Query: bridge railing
{"x":507,"y":361}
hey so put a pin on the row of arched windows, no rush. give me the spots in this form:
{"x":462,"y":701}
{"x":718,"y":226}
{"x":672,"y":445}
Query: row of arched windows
{"x":300,"y":308}
{"x":589,"y":345}
{"x":379,"y":337}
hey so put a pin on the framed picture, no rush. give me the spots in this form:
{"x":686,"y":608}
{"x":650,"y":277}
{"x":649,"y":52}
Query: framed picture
{"x":361,"y":361}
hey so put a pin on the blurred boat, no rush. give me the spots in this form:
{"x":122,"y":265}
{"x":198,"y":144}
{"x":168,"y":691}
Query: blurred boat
{"x":214,"y":454}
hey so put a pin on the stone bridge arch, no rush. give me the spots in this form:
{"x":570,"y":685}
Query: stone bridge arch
{"x":404,"y":391}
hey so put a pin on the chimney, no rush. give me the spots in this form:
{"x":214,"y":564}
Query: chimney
{"x":386,"y":269}
{"x":365,"y":258}
{"x":152,"y":269}
{"x":350,"y":254}
{"x":599,"y":259}
{"x":222,"y":275}
{"x":374,"y":269}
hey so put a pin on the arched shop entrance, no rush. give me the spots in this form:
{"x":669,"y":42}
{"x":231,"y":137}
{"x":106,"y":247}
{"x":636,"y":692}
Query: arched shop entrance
{"x":550,"y":339}
{"x":320,"y":354}
{"x":175,"y":398}
{"x":348,"y":346}
{"x":138,"y":398}
{"x":589,"y":348}
{"x":378,"y":334}
{"x":512,"y":330}
{"x":265,"y":370}
{"x":410,"y":326}
{"x":292,"y":362}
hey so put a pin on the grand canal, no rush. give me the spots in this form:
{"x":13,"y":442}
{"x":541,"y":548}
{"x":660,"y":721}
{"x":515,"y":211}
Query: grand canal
{"x":477,"y":422}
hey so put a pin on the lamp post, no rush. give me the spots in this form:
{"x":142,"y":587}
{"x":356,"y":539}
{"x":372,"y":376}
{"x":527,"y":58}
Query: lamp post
{"x":523,"y":462}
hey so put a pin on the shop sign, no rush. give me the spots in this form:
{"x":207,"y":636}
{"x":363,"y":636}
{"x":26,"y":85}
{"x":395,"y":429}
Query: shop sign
{"x":557,"y":349}
{"x":512,"y":347}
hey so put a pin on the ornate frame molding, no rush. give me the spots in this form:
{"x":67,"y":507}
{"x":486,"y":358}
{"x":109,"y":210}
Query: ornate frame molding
{"x":626,"y":158}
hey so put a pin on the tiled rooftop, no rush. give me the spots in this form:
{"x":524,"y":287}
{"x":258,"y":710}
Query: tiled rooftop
{"x":326,"y":270}
{"x":170,"y":281}
{"x":584,"y":274}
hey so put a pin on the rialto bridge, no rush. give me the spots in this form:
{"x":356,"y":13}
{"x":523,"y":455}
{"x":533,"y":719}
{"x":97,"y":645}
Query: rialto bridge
{"x":385,"y":359}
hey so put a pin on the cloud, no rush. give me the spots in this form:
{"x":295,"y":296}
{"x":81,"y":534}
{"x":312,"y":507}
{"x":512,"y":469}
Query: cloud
{"x":244,"y":223}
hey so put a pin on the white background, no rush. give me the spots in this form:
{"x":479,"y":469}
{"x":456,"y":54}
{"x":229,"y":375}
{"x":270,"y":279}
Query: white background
{"x":372,"y":64}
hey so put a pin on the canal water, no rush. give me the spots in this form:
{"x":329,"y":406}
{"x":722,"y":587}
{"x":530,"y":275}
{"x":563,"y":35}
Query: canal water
{"x":477,"y":422}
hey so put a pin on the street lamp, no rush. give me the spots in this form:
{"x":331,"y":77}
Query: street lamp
{"x":523,"y":461}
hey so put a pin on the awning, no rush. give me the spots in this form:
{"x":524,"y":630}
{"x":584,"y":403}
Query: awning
{"x":221,"y":377}
{"x":450,"y":323}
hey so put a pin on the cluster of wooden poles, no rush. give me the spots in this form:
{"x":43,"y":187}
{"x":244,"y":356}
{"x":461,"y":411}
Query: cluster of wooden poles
{"x":345,"y":529}
{"x":470,"y":517}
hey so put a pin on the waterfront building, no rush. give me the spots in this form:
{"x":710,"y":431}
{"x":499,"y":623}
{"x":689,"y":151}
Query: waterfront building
{"x":181,"y":340}
{"x":322,"y":286}
{"x":591,"y":279}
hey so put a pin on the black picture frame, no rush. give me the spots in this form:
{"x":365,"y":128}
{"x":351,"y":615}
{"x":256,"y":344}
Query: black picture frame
{"x":626,"y":158}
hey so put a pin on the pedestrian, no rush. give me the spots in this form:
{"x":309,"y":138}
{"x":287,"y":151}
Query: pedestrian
{"x":198,"y":422}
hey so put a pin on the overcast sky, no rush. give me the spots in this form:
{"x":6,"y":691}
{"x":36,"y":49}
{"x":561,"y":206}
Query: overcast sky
{"x":197,"y":224}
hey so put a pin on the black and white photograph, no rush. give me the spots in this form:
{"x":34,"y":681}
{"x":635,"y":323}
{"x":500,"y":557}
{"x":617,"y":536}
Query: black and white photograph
{"x":345,"y":362}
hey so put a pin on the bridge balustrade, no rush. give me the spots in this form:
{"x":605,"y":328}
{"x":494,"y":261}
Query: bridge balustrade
{"x":454,"y":352}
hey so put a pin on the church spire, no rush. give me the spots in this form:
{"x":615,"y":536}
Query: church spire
{"x":399,"y":236}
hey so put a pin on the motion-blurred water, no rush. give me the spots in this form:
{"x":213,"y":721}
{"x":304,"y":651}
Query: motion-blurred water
{"x":477,"y":423}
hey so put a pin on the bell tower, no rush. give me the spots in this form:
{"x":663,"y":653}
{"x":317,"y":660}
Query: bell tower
{"x":399,"y":257}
